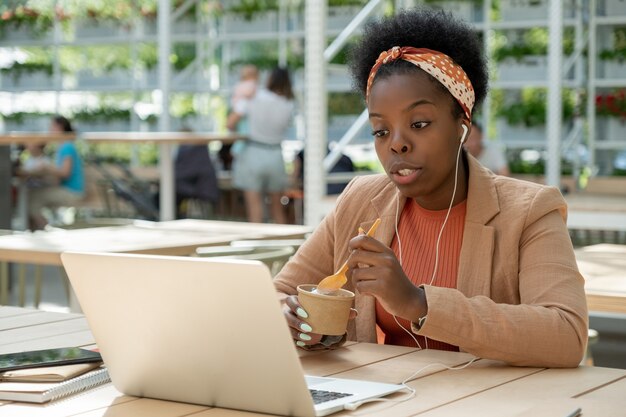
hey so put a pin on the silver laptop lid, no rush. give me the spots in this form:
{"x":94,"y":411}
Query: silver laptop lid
{"x":159,"y":323}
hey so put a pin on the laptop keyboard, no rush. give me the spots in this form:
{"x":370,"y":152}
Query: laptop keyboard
{"x":320,"y":396}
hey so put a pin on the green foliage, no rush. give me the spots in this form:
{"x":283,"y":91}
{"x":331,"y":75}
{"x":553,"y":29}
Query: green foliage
{"x":249,"y":8}
{"x":618,"y":53}
{"x":38,"y":16}
{"x":340,"y":103}
{"x":519,"y":166}
{"x":102,"y":114}
{"x":183,"y":54}
{"x":19,"y":68}
{"x":21,"y":117}
{"x":531,"y":42}
{"x":531,"y":109}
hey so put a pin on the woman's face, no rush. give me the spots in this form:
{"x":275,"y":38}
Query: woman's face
{"x":55,"y":127}
{"x":416,"y":137}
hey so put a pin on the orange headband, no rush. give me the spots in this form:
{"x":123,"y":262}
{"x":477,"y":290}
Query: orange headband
{"x":437,"y":64}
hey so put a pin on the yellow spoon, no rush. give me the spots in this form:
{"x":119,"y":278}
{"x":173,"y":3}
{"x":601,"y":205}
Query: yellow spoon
{"x":338,"y":279}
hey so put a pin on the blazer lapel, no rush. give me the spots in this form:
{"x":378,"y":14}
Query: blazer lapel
{"x":388,"y":205}
{"x":475,"y":264}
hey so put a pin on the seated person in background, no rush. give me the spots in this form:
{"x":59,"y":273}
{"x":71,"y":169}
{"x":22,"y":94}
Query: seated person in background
{"x":463,"y":260}
{"x":67,"y":170}
{"x":488,"y":154}
{"x":195,"y":176}
{"x":36,"y":160}
{"x":343,"y":164}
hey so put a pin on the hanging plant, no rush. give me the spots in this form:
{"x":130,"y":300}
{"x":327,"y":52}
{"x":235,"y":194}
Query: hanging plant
{"x":37,"y":21}
{"x":102,"y":114}
{"x":532,"y":42}
{"x":18,"y":69}
{"x":618,"y":52}
{"x":21,"y":117}
{"x":250,"y":8}
{"x":531,"y":109}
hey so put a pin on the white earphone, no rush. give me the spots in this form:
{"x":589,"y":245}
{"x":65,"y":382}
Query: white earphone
{"x":464,"y":135}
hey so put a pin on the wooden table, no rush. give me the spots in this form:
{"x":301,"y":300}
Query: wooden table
{"x":18,"y":138}
{"x":486,"y":388}
{"x":174,"y":237}
{"x":604,"y":269}
{"x":165,"y":140}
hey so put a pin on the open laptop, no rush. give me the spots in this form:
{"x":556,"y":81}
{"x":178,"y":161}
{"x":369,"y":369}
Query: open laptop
{"x":203,"y":331}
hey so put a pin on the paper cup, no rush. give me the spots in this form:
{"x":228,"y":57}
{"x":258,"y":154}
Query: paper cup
{"x":328,"y":314}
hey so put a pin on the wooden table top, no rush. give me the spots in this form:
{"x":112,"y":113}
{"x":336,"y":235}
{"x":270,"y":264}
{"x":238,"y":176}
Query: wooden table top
{"x":486,"y":388}
{"x":189,"y":138}
{"x":604,"y":269}
{"x":23,"y":138}
{"x":175,"y":237}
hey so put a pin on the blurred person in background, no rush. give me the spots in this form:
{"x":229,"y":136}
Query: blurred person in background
{"x":244,"y":90}
{"x":488,"y":154}
{"x":66,"y":172}
{"x":195,"y":176}
{"x":259,"y":167}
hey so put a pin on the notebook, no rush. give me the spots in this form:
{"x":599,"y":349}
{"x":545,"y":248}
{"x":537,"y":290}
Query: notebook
{"x":42,"y":392}
{"x":49,"y":373}
{"x":200,"y":330}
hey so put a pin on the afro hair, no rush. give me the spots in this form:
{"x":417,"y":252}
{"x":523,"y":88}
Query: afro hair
{"x":420,"y":28}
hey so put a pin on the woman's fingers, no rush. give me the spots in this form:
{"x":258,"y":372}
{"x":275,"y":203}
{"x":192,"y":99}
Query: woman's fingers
{"x":296,"y":316}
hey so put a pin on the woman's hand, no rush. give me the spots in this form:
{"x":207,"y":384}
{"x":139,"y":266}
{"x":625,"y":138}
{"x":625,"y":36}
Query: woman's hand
{"x":375,"y":270}
{"x":302,"y":332}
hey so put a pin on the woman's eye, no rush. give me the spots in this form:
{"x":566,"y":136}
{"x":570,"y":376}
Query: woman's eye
{"x":419,"y":125}
{"x":379,"y":133}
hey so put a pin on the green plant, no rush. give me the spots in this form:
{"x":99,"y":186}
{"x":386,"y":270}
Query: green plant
{"x":102,"y":114}
{"x":249,"y":8}
{"x":21,"y":117}
{"x":530,"y":110}
{"x":618,"y":53}
{"x":344,"y":103}
{"x":531,"y":42}
{"x":16,"y":70}
{"x":14,"y":16}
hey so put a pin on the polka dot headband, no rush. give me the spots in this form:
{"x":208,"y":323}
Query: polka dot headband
{"x":437,"y":64}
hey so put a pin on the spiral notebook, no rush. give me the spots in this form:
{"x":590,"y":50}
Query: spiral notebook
{"x":42,"y":392}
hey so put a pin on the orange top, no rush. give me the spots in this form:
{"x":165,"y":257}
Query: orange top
{"x":418,"y":229}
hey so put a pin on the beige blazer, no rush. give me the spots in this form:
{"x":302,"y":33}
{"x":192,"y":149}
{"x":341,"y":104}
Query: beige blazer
{"x":519,"y":295}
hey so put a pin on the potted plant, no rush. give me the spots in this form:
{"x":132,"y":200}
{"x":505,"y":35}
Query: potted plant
{"x":27,"y":74}
{"x":103,"y":19}
{"x":517,"y":10}
{"x":525,"y":119}
{"x":611,"y":109}
{"x":614,"y":59}
{"x":468,"y":10}
{"x":23,"y":22}
{"x":522,"y":56}
{"x":103,"y":118}
{"x":250,"y":16}
{"x":26,"y":121}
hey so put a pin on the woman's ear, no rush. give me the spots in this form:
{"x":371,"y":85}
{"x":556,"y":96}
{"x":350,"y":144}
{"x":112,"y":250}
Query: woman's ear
{"x":465,"y":126}
{"x":465,"y":132}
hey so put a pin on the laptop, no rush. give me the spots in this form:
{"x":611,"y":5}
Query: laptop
{"x":202,"y":331}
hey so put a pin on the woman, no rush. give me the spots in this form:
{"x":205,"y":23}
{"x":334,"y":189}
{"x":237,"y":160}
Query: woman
{"x":463,"y":259}
{"x":260,"y":167}
{"x":67,"y":170}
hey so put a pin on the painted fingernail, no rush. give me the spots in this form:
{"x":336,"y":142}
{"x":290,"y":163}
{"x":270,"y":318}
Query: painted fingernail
{"x":304,"y":336}
{"x":305,"y":327}
{"x":301,"y":344}
{"x":300,"y":312}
